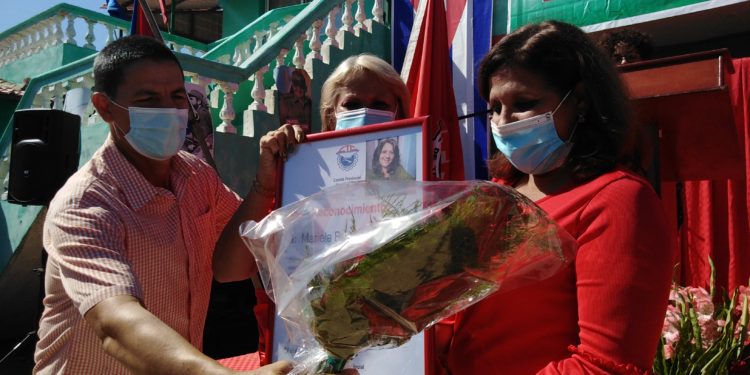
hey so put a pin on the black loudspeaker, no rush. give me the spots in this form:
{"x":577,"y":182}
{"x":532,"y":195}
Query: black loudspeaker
{"x":45,"y":152}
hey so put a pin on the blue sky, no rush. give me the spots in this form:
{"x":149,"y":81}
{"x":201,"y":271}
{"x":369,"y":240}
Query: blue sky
{"x":21,"y":10}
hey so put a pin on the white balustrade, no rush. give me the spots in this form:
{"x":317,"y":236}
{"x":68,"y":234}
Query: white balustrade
{"x":57,"y":92}
{"x":110,"y":34}
{"x":299,"y":55}
{"x":87,"y":82}
{"x":90,"y":34}
{"x":273,"y":29}
{"x":377,"y":12}
{"x":314,"y":46}
{"x":4,"y":50}
{"x":346,"y":18}
{"x":258,"y":92}
{"x":49,"y":39}
{"x":70,"y":31}
{"x":42,"y":98}
{"x":245,"y":51}
{"x":331,"y":28}
{"x":281,"y":57}
{"x":227,"y":113}
{"x":360,"y":17}
{"x":58,"y":29}
{"x":37,"y":36}
{"x":238,"y":56}
{"x":258,"y":36}
{"x":331,"y":32}
{"x":22,"y":42}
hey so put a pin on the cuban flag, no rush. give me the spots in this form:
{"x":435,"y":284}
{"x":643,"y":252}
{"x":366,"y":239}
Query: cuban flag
{"x":468,"y":29}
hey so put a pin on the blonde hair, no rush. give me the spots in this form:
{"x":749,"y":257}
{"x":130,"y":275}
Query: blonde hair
{"x":355,"y":68}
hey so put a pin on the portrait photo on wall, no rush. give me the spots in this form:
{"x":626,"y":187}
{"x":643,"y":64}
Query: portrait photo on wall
{"x":392,"y":158}
{"x":197,"y":96}
{"x":295,"y":105}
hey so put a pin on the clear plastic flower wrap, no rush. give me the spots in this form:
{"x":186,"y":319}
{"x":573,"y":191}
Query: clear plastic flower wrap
{"x":370,"y":264}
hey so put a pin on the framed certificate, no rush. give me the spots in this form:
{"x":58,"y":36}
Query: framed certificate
{"x":395,"y":150}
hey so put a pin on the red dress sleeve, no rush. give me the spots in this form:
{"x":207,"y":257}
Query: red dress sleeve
{"x":623,"y":276}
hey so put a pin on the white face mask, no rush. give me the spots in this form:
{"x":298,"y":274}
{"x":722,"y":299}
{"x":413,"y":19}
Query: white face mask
{"x":532,"y":145}
{"x":156,"y":133}
{"x":361,"y":117}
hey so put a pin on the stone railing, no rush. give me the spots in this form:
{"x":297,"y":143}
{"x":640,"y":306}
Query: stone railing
{"x":59,"y":25}
{"x":312,"y":35}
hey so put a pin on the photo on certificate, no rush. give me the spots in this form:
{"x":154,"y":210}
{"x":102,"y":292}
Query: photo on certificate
{"x":393,"y":151}
{"x":392,"y":159}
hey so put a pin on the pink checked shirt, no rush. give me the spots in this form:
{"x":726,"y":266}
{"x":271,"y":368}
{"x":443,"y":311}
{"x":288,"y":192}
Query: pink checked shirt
{"x":110,"y":232}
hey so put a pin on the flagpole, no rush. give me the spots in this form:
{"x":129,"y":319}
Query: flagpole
{"x":171,"y":16}
{"x":152,"y":23}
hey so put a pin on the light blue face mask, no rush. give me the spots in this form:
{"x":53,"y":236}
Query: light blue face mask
{"x":532,"y":145}
{"x":156,"y":133}
{"x":361,"y":117}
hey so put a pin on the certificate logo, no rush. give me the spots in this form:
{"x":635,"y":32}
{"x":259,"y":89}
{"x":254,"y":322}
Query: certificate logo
{"x":347,"y":157}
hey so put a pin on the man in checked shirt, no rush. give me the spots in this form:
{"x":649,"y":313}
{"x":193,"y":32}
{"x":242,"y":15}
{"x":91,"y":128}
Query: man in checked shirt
{"x":131,"y":235}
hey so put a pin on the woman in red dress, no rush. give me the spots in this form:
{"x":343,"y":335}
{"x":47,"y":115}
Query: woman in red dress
{"x":561,"y":121}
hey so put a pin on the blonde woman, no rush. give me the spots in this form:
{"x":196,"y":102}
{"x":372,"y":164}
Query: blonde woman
{"x":363,"y":82}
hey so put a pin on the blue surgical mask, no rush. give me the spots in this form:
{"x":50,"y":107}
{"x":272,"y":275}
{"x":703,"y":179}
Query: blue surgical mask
{"x":156,"y":133}
{"x":361,"y":117}
{"x":532,"y":145}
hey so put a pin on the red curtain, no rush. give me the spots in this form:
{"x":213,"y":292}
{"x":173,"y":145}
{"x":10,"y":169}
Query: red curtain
{"x":716,"y":212}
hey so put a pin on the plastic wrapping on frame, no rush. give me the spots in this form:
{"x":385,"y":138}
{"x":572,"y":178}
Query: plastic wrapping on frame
{"x":370,"y":264}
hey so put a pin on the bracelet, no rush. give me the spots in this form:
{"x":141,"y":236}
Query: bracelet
{"x":263,"y":191}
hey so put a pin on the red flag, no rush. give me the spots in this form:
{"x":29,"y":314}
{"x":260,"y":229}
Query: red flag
{"x":143,"y":22}
{"x":427,"y":73}
{"x":138,"y":24}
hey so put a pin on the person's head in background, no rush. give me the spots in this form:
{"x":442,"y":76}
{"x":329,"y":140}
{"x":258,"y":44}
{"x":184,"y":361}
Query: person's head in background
{"x":543,"y":67}
{"x":362,"y":81}
{"x":386,"y":158}
{"x":627,"y":46}
{"x":299,"y":85}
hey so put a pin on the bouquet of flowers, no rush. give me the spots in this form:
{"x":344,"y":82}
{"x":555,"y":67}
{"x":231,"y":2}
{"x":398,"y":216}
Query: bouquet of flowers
{"x":702,"y":336}
{"x":371,"y":264}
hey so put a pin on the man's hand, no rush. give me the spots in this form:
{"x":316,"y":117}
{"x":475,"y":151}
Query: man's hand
{"x":274,"y":146}
{"x":231,"y":260}
{"x":143,"y":343}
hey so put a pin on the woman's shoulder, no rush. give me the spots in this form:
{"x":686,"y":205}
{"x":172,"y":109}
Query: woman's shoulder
{"x":616,"y":195}
{"x":622,"y":195}
{"x":402,"y":174}
{"x":617,"y":183}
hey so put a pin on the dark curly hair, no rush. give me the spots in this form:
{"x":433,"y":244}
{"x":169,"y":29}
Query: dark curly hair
{"x":563,"y":56}
{"x":640,"y":41}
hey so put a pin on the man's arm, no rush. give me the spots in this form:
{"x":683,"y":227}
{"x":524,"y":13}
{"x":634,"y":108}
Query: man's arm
{"x":145,"y":345}
{"x":232,"y":260}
